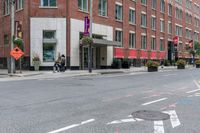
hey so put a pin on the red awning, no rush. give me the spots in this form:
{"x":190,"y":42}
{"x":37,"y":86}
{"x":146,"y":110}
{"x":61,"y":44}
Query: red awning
{"x":162,"y":55}
{"x":132,"y":54}
{"x":143,"y":55}
{"x":119,"y":53}
{"x":153,"y":55}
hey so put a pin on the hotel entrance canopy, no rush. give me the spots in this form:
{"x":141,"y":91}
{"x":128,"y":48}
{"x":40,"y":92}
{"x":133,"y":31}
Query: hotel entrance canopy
{"x":104,"y":43}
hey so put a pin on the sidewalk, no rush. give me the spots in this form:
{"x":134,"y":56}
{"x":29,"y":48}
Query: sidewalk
{"x":72,"y":73}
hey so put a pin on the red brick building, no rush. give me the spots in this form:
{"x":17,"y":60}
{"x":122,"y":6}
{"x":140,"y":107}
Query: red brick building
{"x":142,"y":29}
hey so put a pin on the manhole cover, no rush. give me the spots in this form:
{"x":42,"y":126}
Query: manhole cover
{"x":150,"y":115}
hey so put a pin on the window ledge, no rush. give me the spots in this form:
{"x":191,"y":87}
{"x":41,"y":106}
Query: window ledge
{"x":6,"y":15}
{"x":103,"y":16}
{"x":132,"y":23}
{"x":83,"y":11}
{"x":48,"y":7}
{"x":20,"y":10}
{"x":153,"y":29}
{"x":143,"y":27}
{"x":118,"y":20}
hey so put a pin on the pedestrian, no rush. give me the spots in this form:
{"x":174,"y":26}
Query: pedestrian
{"x":57,"y":64}
{"x":63,"y":63}
{"x":162,"y":63}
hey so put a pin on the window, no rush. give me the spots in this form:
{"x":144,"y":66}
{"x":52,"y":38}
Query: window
{"x":143,"y":42}
{"x":154,"y":4}
{"x":179,"y":13}
{"x":144,"y":2}
{"x":131,"y":40}
{"x":162,"y":25}
{"x":170,"y":9}
{"x":196,"y":36}
{"x":143,"y":20}
{"x":103,"y":7}
{"x":188,"y":34}
{"x":6,"y":39}
{"x":6,"y":7}
{"x":118,"y":11}
{"x":132,"y":16}
{"x":178,"y":31}
{"x":162,"y":45}
{"x":118,"y":36}
{"x":153,"y":23}
{"x":49,"y":46}
{"x":169,"y":27}
{"x":196,"y":22}
{"x":180,"y":47}
{"x":83,"y":5}
{"x":162,"y":6}
{"x":48,"y":3}
{"x":188,"y":4}
{"x":19,"y":4}
{"x":153,"y":43}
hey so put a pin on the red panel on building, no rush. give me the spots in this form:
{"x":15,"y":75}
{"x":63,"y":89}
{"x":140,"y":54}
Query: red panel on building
{"x":153,"y":55}
{"x":119,"y":53}
{"x":162,"y":55}
{"x":132,"y":54}
{"x":144,"y":55}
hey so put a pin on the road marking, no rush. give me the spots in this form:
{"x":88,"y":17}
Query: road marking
{"x":158,"y":127}
{"x":124,"y":121}
{"x":197,"y":84}
{"x":195,"y":95}
{"x":72,"y":126}
{"x":162,"y":99}
{"x":169,"y":75}
{"x":173,"y":118}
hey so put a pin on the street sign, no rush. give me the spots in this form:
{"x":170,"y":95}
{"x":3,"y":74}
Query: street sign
{"x":16,"y":53}
{"x":191,"y":43}
{"x":175,"y":40}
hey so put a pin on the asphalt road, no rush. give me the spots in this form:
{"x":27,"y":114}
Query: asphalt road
{"x":102,"y":104}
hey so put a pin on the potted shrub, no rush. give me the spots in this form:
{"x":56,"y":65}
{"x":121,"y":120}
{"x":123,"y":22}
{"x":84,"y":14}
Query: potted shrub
{"x":36,"y":63}
{"x":152,"y":66}
{"x":116,"y":63}
{"x":125,"y":63}
{"x":197,"y":62}
{"x":181,"y":64}
{"x":87,"y":40}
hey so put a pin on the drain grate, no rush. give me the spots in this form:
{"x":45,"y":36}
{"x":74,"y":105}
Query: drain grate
{"x":150,"y":115}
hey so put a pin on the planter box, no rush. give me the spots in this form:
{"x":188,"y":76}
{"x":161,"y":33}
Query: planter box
{"x":180,"y":67}
{"x":152,"y":69}
{"x":198,"y":66}
{"x":36,"y":65}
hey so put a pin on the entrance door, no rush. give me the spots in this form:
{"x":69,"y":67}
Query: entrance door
{"x":86,"y":56}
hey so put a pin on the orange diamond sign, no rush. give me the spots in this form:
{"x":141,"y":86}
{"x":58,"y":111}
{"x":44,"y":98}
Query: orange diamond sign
{"x":16,"y":53}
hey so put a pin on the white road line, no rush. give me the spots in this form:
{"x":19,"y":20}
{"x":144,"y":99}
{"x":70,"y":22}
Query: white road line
{"x":197,"y":84}
{"x":124,"y":121}
{"x":72,"y":126}
{"x":158,"y":127}
{"x":162,"y":99}
{"x":173,"y":118}
{"x":169,"y":75}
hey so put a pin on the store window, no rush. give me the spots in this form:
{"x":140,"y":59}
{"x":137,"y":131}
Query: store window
{"x":83,"y":5}
{"x":49,"y":46}
{"x":49,"y":3}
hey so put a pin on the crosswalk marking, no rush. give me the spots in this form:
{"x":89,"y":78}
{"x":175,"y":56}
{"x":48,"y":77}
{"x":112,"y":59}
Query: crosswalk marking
{"x":173,"y":118}
{"x":158,"y":127}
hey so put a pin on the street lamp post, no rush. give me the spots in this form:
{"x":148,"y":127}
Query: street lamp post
{"x":12,"y":22}
{"x":90,"y":46}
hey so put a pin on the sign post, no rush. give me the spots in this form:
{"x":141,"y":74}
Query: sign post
{"x":17,"y":53}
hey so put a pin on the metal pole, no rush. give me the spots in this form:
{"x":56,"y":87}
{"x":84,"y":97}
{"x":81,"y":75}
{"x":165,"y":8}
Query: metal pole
{"x":12,"y":16}
{"x":90,"y":47}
